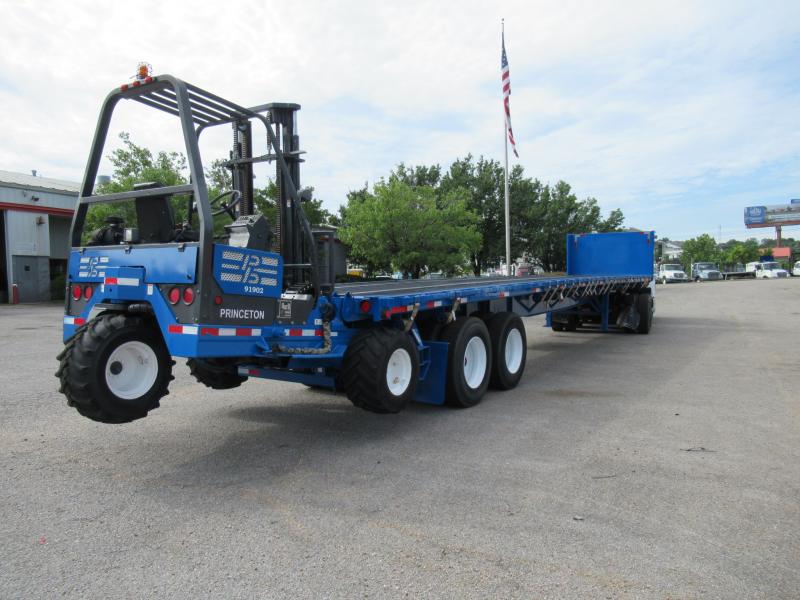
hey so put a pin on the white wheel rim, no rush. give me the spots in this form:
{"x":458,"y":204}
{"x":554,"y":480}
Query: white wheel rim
{"x":131,"y":370}
{"x":398,"y":372}
{"x":513,"y":350}
{"x":475,"y":362}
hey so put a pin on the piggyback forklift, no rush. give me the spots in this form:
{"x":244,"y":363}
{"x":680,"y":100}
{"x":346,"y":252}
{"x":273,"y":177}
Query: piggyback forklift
{"x":260,"y":300}
{"x":137,"y":295}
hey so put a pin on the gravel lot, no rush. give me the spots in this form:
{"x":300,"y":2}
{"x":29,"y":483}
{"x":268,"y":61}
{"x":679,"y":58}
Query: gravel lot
{"x":623,"y":466}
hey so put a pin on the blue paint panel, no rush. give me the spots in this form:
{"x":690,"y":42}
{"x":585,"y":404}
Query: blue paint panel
{"x":248,"y":272}
{"x":164,"y":264}
{"x":430,"y":390}
{"x":617,"y":254}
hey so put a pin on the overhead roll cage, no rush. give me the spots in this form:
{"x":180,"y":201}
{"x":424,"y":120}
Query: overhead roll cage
{"x":197,"y":110}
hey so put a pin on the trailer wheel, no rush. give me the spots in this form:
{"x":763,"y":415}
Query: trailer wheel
{"x":571,"y":324}
{"x":644,"y":306}
{"x":381,"y":370}
{"x":116,"y":369}
{"x":469,"y":361}
{"x":215,"y":373}
{"x":509,"y":350}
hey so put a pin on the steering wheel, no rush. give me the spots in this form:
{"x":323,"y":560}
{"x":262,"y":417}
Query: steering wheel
{"x":236,"y":197}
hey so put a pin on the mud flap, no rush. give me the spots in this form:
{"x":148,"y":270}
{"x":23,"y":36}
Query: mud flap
{"x":433,"y":376}
{"x":629,"y":318}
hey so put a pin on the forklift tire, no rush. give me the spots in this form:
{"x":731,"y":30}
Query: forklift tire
{"x":644,"y":306}
{"x":115,"y":369}
{"x":469,"y":361}
{"x":381,"y":370}
{"x":217,"y":374}
{"x":509,"y":350}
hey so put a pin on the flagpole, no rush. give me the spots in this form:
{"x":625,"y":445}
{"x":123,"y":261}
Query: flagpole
{"x":507,"y":209}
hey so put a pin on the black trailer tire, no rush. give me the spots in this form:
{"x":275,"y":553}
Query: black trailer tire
{"x":469,"y":361}
{"x":509,"y":350}
{"x":381,"y":370}
{"x":217,"y":374}
{"x":115,"y":369}
{"x":644,"y":306}
{"x":571,"y":324}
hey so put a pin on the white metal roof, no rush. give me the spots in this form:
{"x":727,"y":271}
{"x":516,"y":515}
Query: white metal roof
{"x":23,"y":180}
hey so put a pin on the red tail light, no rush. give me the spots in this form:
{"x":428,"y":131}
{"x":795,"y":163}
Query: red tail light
{"x":174,"y":295}
{"x":188,"y":295}
{"x":76,"y":292}
{"x":218,"y":300}
{"x":365,"y":306}
{"x":87,"y":292}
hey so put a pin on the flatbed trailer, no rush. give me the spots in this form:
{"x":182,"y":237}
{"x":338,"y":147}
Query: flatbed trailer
{"x":249,"y":306}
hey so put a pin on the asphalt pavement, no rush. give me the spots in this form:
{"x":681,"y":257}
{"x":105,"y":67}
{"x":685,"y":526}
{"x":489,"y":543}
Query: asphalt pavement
{"x":623,"y":466}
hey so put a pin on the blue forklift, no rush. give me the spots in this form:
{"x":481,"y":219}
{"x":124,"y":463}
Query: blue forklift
{"x":259,"y":299}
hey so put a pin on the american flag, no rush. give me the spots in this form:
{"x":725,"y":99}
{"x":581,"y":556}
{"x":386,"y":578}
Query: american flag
{"x":506,"y":94}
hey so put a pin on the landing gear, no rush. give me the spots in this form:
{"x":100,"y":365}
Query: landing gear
{"x":115,"y":369}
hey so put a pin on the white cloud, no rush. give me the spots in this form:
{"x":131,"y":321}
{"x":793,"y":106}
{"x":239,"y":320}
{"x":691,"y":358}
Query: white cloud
{"x":654,"y":108}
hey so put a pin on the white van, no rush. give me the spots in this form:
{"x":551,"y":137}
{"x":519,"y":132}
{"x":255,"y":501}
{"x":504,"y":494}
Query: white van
{"x":766,"y":270}
{"x":796,"y":270}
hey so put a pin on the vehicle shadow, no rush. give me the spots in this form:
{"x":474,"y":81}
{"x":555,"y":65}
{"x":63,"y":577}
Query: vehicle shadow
{"x":321,"y":433}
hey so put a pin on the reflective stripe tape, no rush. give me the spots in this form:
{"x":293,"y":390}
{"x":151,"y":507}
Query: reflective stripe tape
{"x":302,"y":332}
{"x":121,"y":281}
{"x":503,"y":294}
{"x":396,"y":310}
{"x":184,"y":329}
{"x":230,"y":331}
{"x":74,"y":321}
{"x":434,"y":304}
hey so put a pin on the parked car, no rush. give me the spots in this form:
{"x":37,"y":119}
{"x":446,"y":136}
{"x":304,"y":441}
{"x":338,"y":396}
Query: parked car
{"x":796,"y":270}
{"x":706,"y":271}
{"x":671,"y":273}
{"x":767,"y":270}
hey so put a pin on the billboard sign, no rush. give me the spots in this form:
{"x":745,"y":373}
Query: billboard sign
{"x":775,"y":214}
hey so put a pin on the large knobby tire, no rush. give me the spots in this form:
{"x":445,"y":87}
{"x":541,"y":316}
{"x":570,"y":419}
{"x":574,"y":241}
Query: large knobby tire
{"x":216,"y":373}
{"x":381,"y":370}
{"x":469,"y":361}
{"x":115,"y":369}
{"x":509,"y":350}
{"x":644,"y":306}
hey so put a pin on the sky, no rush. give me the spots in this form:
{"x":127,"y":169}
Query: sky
{"x":679,"y":113}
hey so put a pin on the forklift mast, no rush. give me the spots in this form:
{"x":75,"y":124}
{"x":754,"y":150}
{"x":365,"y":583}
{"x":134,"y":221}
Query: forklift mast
{"x":288,"y":228}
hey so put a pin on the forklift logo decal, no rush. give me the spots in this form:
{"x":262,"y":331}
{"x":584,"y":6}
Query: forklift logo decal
{"x":250,"y":272}
{"x":92,"y":266}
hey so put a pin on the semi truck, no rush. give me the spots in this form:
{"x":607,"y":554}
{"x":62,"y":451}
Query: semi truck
{"x":260,"y":300}
{"x":767,"y":269}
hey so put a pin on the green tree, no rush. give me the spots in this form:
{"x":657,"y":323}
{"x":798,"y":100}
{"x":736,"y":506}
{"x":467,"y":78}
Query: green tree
{"x":407,"y":229}
{"x":482,"y":183}
{"x":551,"y":214}
{"x":736,"y":252}
{"x":700,"y":249}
